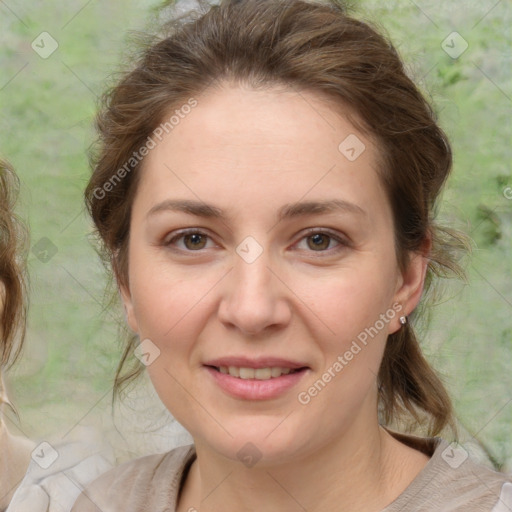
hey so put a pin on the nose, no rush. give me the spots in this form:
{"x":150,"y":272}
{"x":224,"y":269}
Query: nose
{"x":254,"y":299}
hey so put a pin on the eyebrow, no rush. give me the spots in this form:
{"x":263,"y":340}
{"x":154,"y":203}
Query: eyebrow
{"x":288,"y":211}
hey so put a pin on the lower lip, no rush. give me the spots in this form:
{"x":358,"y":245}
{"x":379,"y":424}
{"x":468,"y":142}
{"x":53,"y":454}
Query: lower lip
{"x":254,"y":389}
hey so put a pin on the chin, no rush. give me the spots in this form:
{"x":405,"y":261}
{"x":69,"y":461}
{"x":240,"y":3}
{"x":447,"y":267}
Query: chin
{"x":264,"y":441}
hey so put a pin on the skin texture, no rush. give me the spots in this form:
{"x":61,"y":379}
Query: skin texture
{"x":249,"y":153}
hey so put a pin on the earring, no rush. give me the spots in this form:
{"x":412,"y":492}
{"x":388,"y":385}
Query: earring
{"x":403,"y":320}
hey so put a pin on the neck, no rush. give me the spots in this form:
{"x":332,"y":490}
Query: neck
{"x":364,"y":470}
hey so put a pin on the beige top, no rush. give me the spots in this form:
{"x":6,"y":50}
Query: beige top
{"x":449,"y":482}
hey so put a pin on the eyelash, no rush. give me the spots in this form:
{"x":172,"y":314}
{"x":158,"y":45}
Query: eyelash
{"x":342,"y":243}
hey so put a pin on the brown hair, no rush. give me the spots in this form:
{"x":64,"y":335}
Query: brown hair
{"x":306,"y":45}
{"x":12,"y":271}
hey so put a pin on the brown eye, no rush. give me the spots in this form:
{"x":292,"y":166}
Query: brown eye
{"x":194,"y":241}
{"x":189,"y":241}
{"x":318,"y":241}
{"x":322,"y":242}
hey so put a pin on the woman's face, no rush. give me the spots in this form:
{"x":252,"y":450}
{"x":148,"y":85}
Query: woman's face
{"x":262,"y":270}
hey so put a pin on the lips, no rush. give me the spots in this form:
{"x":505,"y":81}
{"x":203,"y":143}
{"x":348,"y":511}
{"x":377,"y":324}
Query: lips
{"x":255,"y":379}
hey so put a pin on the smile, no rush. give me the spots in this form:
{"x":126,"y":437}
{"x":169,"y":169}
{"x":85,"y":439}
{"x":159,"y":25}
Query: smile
{"x":255,"y":380}
{"x":255,"y":373}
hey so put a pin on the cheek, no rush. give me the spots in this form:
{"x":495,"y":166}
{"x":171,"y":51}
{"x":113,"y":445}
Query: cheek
{"x":347,"y":303}
{"x":171,"y":309}
{"x":169,"y":315}
{"x":172,"y":313}
{"x":163,"y":297}
{"x":355,"y":314}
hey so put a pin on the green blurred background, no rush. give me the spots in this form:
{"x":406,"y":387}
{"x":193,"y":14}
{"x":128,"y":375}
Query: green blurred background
{"x":46,"y":110}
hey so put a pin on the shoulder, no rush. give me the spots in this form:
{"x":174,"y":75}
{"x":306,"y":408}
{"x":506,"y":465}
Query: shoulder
{"x":147,"y":483}
{"x":59,"y":470}
{"x":453,"y":482}
{"x":469,"y":484}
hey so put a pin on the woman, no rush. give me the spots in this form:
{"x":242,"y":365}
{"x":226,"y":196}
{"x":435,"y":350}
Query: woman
{"x":264,"y":189}
{"x":14,"y":450}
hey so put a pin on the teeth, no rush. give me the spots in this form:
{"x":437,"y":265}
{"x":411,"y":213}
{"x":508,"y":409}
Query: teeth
{"x":263,"y":373}
{"x":275,"y":372}
{"x":254,"y":373}
{"x":246,"y":373}
{"x":234,"y":371}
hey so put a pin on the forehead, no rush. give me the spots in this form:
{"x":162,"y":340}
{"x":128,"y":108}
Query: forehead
{"x":237,"y":141}
{"x":245,"y":118}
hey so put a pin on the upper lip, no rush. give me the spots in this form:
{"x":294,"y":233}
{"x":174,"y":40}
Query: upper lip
{"x":259,"y":362}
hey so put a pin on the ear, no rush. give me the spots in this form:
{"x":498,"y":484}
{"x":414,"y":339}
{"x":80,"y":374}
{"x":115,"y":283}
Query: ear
{"x":411,"y":282}
{"x":126,"y":297}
